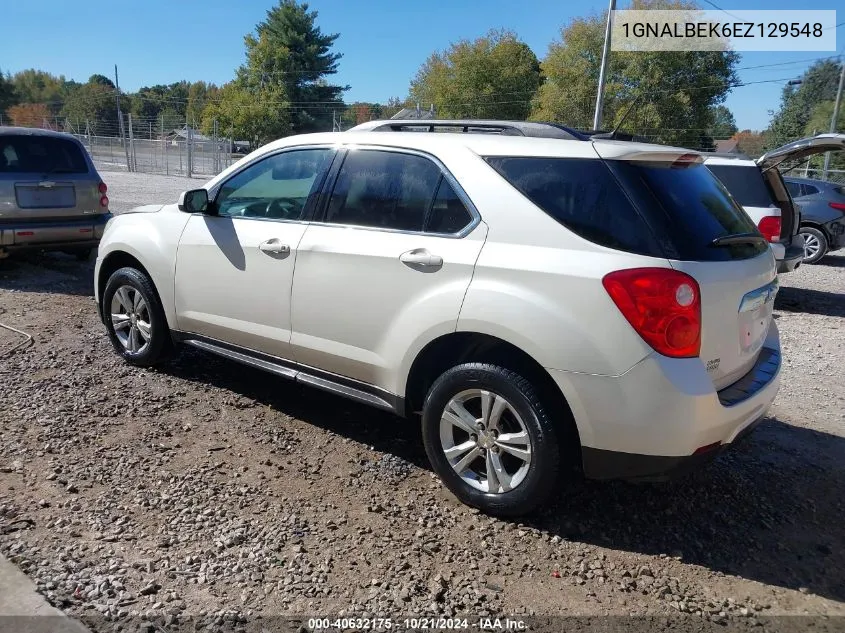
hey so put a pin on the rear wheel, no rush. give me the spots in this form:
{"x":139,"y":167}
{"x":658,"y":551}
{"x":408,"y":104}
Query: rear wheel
{"x":135,"y":319}
{"x":490,"y":439}
{"x":815,"y":244}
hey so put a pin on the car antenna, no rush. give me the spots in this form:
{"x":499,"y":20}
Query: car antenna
{"x":612,"y":133}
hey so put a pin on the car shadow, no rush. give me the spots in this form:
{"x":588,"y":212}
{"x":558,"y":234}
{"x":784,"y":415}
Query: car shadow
{"x":835,"y":261}
{"x":54,"y":272}
{"x":809,"y":301}
{"x":768,"y":510}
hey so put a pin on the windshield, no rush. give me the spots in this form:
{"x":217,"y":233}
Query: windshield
{"x":746,"y":184}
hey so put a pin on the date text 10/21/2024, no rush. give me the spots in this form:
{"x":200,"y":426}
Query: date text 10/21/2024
{"x":417,"y":624}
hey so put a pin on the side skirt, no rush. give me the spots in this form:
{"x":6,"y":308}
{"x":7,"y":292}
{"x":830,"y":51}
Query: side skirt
{"x":340,"y":385}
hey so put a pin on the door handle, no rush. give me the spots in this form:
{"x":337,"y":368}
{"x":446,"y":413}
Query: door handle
{"x":274,"y":247}
{"x":421,"y":258}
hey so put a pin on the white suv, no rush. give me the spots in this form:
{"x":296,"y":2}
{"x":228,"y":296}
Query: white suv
{"x":549,"y":303}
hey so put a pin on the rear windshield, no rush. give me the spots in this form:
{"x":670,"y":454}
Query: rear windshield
{"x":746,"y":184}
{"x":649,"y":208}
{"x":40,"y":154}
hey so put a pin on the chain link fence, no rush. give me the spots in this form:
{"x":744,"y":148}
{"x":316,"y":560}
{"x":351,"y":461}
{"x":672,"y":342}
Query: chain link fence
{"x":833,"y":175}
{"x":170,"y":154}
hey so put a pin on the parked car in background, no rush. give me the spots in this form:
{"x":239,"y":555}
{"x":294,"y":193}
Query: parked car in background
{"x":51,"y":196}
{"x":822,"y":215}
{"x":761,"y":190}
{"x":547,"y":302}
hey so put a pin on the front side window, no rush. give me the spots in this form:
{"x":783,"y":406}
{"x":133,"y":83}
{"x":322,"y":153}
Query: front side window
{"x":277,"y":187}
{"x":381,"y":189}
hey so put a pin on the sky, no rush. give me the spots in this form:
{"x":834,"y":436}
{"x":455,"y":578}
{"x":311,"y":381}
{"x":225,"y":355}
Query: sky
{"x":383,"y":42}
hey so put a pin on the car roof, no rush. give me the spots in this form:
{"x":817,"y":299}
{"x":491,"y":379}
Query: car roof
{"x":7,"y":130}
{"x":486,"y":144}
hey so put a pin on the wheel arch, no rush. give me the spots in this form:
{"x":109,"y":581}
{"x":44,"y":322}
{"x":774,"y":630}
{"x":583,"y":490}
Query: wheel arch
{"x":114,"y":261}
{"x":456,"y":348}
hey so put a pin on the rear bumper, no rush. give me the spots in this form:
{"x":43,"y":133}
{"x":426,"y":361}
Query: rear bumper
{"x":75,"y":232}
{"x":793,"y":255}
{"x":664,"y":416}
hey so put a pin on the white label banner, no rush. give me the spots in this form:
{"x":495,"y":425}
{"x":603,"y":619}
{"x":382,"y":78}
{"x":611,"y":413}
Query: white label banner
{"x":699,"y":30}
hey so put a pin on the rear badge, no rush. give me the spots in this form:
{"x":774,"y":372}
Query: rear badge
{"x":713,"y":365}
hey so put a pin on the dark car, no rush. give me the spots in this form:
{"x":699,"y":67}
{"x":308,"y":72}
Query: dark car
{"x":822,"y":215}
{"x":51,"y":196}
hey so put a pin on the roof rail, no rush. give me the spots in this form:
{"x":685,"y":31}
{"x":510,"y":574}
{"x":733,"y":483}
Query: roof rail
{"x":473,"y":126}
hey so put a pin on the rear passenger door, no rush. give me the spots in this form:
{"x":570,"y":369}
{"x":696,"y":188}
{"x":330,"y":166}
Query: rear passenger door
{"x":384,"y":266}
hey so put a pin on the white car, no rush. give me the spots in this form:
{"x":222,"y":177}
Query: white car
{"x":758,"y":186}
{"x":549,"y":303}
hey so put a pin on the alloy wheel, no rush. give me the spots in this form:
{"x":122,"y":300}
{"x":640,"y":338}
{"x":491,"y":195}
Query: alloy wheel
{"x":485,"y":441}
{"x":130,"y":318}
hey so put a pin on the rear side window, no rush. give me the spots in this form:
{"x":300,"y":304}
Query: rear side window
{"x":583,"y":195}
{"x":688,"y":208}
{"x":40,"y":154}
{"x":746,"y":184}
{"x":448,"y":213}
{"x":389,"y":190}
{"x":794,"y":188}
{"x":809,"y":190}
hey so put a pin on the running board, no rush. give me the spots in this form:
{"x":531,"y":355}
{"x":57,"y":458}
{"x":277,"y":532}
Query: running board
{"x":301,"y":374}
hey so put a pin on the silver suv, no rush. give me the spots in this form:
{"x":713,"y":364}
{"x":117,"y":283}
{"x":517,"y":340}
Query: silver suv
{"x":51,"y":196}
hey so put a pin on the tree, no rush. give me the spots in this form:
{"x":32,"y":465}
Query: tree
{"x":291,"y":27}
{"x":798,"y":105}
{"x":750,"y":143}
{"x":723,"y":124}
{"x":8,"y":96}
{"x":494,"y":76}
{"x":257,"y":116}
{"x":93,"y":103}
{"x":30,"y":115}
{"x":670,"y":94}
{"x":199,"y":95}
{"x":253,"y":107}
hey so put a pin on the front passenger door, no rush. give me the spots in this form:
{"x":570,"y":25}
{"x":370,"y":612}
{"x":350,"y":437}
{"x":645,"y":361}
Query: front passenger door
{"x":234,"y":266}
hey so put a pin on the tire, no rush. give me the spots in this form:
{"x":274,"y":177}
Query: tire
{"x":815,"y":244}
{"x":143,"y":338}
{"x":522,"y":414}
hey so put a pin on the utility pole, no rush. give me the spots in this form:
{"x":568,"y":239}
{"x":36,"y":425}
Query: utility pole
{"x":605,"y":58}
{"x":120,"y":118}
{"x":836,"y":105}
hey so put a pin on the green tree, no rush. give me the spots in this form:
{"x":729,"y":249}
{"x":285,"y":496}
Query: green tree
{"x":798,"y":104}
{"x":253,"y":107}
{"x":8,"y":96}
{"x":723,"y":124}
{"x":200,"y":94}
{"x":94,"y":103}
{"x":494,"y":77}
{"x":309,"y":60}
{"x":669,"y":94}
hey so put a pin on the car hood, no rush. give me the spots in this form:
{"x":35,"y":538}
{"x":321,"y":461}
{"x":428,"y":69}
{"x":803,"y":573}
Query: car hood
{"x":802,"y":148}
{"x":146,"y":208}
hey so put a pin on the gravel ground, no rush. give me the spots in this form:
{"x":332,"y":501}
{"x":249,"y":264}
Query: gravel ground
{"x":206,"y":489}
{"x":127,"y":190}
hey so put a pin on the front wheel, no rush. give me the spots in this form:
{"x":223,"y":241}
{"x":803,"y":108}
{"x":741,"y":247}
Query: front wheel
{"x":815,"y":244}
{"x":135,"y":319}
{"x":490,"y":439}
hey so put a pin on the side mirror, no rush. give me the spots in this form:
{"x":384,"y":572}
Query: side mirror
{"x":193,"y":201}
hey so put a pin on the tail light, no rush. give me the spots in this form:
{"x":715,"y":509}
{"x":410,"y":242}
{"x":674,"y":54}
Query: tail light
{"x":839,"y":206}
{"x":102,"y":188}
{"x":662,"y":305}
{"x":104,"y":201}
{"x":770,"y":227}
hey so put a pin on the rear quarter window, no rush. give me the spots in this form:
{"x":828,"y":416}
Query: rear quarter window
{"x":40,"y":154}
